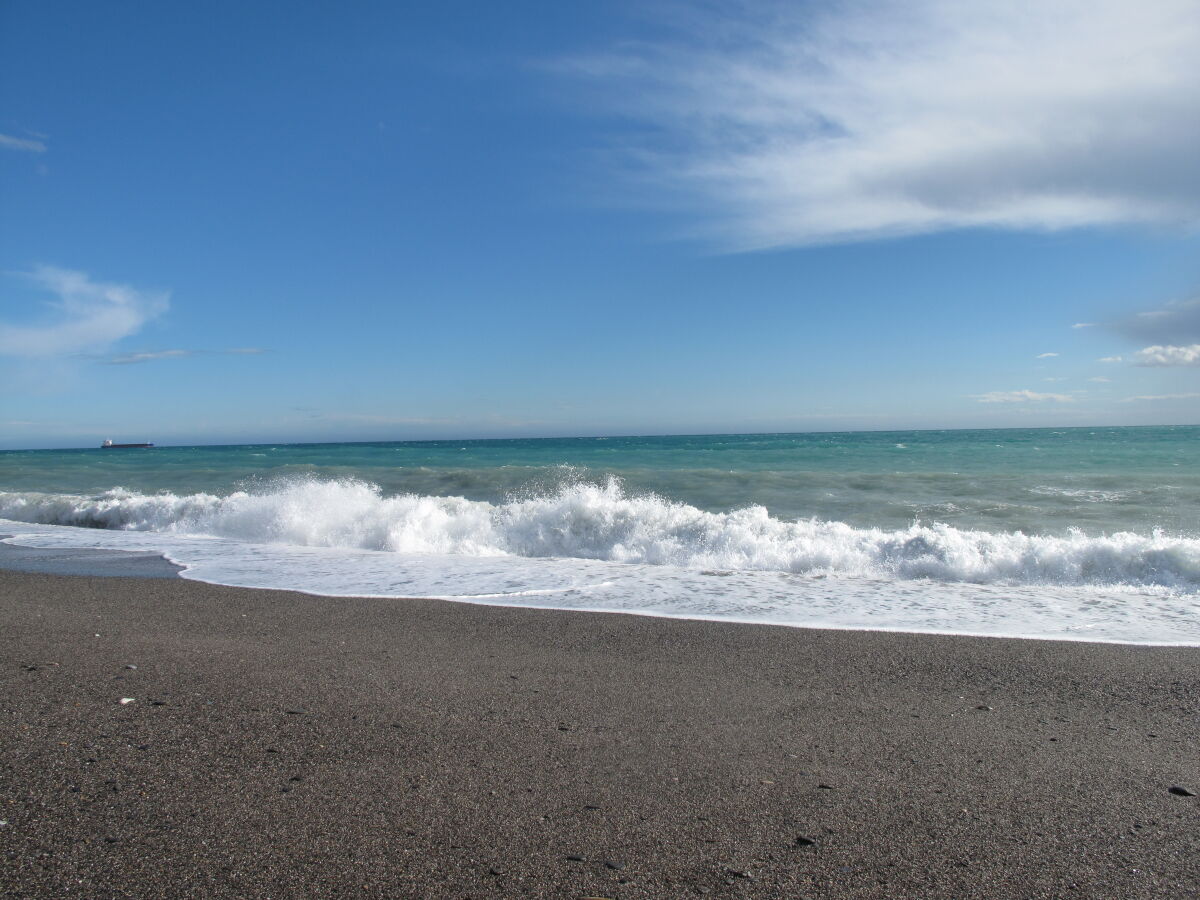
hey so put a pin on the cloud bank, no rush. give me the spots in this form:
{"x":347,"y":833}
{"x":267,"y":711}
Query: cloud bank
{"x":87,"y":315}
{"x":797,"y":124}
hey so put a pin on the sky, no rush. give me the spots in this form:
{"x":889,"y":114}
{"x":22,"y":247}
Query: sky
{"x":246,"y":222}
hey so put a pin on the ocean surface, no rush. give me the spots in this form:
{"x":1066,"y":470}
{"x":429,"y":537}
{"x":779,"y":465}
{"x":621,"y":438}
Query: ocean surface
{"x":1082,"y":533}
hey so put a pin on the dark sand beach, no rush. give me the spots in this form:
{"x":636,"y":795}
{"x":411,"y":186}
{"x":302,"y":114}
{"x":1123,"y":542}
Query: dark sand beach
{"x":283,"y":745}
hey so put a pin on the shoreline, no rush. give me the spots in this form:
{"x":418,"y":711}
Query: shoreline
{"x":96,"y":562}
{"x":283,"y":744}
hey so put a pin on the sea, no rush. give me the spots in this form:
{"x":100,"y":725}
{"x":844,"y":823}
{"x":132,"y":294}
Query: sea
{"x":1088,"y":534}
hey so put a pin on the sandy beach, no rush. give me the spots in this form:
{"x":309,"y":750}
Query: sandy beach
{"x":167,"y":738}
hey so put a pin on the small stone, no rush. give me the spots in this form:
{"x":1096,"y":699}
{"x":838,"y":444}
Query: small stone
{"x":494,"y":871}
{"x":737,"y":873}
{"x":617,"y":866}
{"x":574,"y":858}
{"x":1180,"y":791}
{"x":802,"y":841}
{"x":984,"y":707}
{"x":131,"y":666}
{"x":825,"y":787}
{"x":125,"y":701}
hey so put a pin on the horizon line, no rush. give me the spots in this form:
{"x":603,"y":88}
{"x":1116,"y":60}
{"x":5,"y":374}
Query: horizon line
{"x":584,"y":437}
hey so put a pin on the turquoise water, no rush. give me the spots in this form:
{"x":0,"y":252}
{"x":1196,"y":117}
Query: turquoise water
{"x":1083,"y":531}
{"x":1036,"y":480}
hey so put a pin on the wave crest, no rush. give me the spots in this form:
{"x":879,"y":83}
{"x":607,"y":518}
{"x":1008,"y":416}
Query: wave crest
{"x":590,"y":521}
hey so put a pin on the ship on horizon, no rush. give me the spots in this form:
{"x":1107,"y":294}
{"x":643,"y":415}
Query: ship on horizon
{"x":109,"y":445}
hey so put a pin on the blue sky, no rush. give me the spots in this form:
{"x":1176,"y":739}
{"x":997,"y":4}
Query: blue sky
{"x":268,"y":221}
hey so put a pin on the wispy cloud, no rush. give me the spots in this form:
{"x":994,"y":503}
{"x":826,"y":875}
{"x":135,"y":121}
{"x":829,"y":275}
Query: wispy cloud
{"x":795,"y":124}
{"x":1021,"y":397}
{"x":1160,"y":355}
{"x":1173,"y":323}
{"x":1084,"y":325}
{"x":126,"y":359}
{"x":372,"y":419}
{"x":1100,"y":379}
{"x":86,"y":315}
{"x":1111,"y":359}
{"x":29,"y":145}
{"x":1046,"y":355}
{"x":1151,"y":397}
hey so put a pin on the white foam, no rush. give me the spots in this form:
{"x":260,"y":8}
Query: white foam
{"x":594,"y":547}
{"x":602,"y":522}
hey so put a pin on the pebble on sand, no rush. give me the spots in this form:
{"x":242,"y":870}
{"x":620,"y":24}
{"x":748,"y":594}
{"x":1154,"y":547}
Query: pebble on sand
{"x":1180,"y":791}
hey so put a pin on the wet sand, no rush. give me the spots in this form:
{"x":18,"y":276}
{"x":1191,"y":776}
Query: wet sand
{"x":282,"y":745}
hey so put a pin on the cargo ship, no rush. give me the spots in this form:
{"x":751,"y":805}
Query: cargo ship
{"x":109,"y":445}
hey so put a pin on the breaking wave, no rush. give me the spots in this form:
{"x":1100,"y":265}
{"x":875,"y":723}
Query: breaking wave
{"x":604,"y":522}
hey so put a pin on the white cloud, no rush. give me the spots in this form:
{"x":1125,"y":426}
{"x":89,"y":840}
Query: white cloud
{"x":1084,"y":325}
{"x":1021,"y":397}
{"x":795,"y":124}
{"x":1160,"y":355}
{"x":1046,"y":355}
{"x":1152,"y":397}
{"x":89,"y":315}
{"x":27,"y":144}
{"x":1111,"y":359}
{"x":1100,"y":379}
